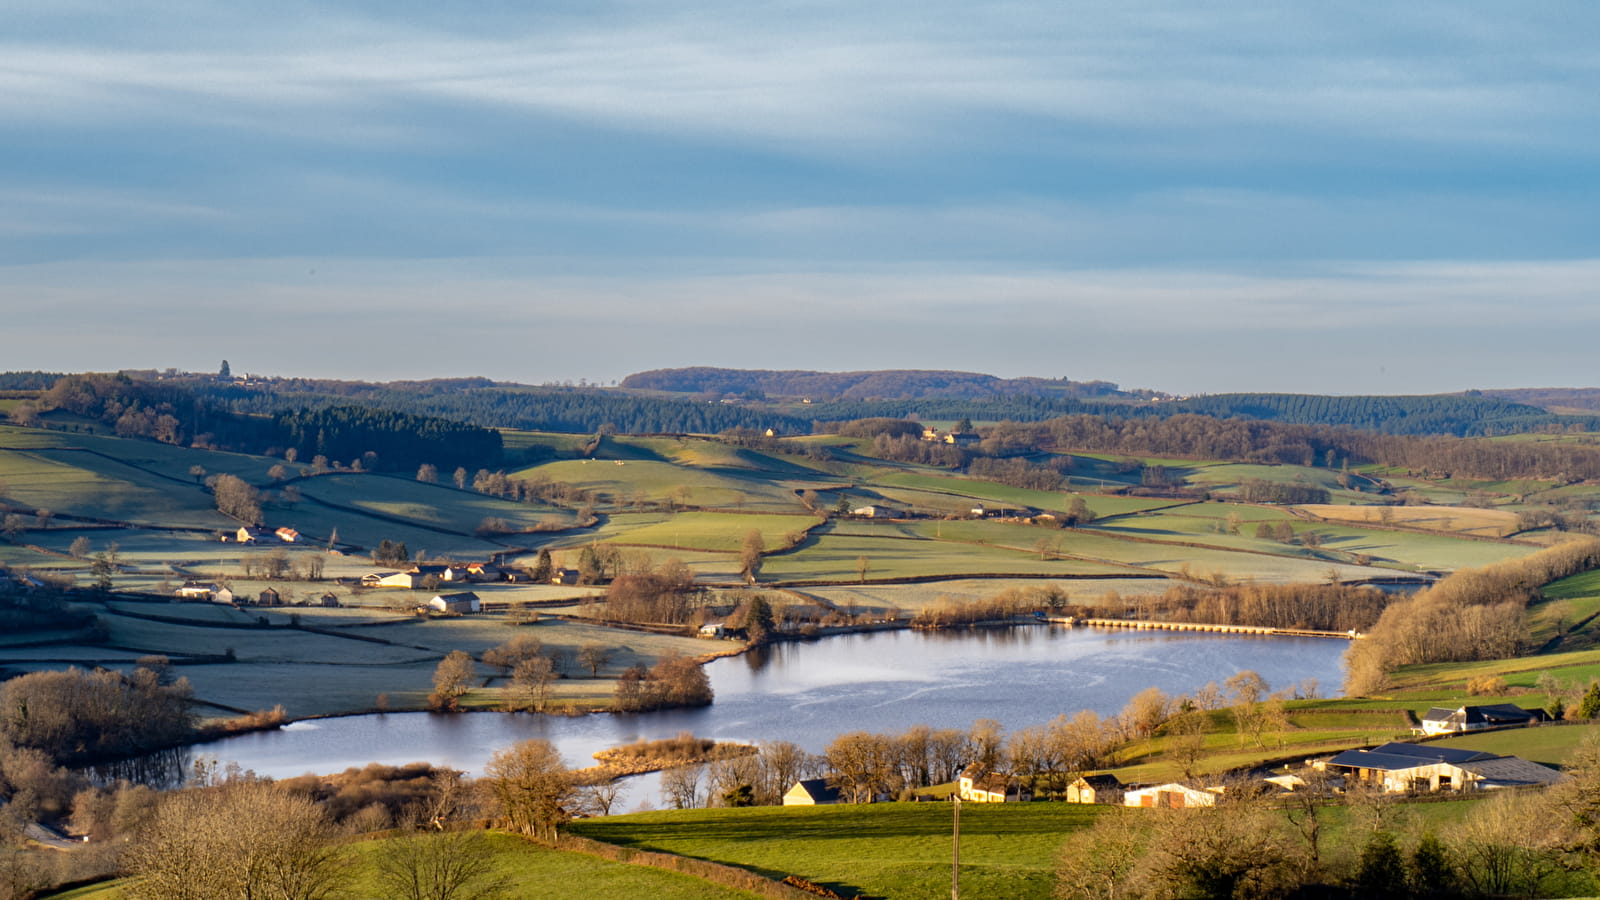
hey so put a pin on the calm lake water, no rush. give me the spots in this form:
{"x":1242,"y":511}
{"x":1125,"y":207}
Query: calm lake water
{"x":810,"y":692}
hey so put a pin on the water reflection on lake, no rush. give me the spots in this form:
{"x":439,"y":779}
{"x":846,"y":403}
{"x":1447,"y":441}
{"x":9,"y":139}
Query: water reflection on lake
{"x":810,"y":692}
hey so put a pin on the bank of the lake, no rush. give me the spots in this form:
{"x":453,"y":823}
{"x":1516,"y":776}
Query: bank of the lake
{"x":811,"y":692}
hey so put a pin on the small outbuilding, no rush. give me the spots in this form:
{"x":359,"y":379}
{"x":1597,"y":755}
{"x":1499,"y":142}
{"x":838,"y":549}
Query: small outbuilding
{"x":1441,"y":720}
{"x":1104,"y":788}
{"x":269,"y":597}
{"x":463,"y":603}
{"x":1169,"y":796}
{"x":251,"y":535}
{"x":811,"y":792}
{"x":978,"y":785}
{"x":564,"y":576}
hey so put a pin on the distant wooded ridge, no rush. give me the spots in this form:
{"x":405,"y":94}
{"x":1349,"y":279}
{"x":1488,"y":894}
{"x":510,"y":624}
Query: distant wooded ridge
{"x":706,"y":402}
{"x":888,"y":384}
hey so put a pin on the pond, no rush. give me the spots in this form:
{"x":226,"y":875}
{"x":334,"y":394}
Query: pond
{"x":811,"y":692}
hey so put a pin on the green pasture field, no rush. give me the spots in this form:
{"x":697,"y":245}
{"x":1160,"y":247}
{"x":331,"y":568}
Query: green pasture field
{"x":993,"y":493}
{"x":1412,"y":549}
{"x":1586,"y":584}
{"x":529,"y":871}
{"x":1246,"y":512}
{"x":161,"y":459}
{"x":313,"y":688}
{"x":198,"y":613}
{"x":515,"y":441}
{"x":84,"y":485}
{"x":476,"y":634}
{"x":68,"y":654}
{"x":439,"y":505}
{"x":1094,"y":544}
{"x":913,"y":597}
{"x":899,"y":850}
{"x":1551,"y":745}
{"x":145,"y":547}
{"x":658,"y":482}
{"x":1516,"y":486}
{"x":833,"y":558}
{"x":1559,"y":616}
{"x":1225,"y":476}
{"x":703,"y":453}
{"x":1171,"y":462}
{"x":264,"y":645}
{"x":1177,"y":528}
{"x":1580,"y":665}
{"x":720,"y":532}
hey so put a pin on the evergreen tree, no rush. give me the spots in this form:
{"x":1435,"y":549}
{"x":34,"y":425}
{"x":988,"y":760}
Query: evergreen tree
{"x":1381,"y":873}
{"x":1589,"y":706}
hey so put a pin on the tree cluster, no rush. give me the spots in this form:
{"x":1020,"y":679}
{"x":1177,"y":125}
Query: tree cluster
{"x":666,"y":594}
{"x":1471,"y":614}
{"x":75,"y":717}
{"x":672,"y":682}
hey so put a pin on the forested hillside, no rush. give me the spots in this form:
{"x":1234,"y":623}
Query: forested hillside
{"x":891,"y":384}
{"x":175,"y":413}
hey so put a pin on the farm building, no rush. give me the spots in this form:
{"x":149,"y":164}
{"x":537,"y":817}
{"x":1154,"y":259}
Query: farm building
{"x":1440,"y":720}
{"x":197,"y":590}
{"x":978,"y":785}
{"x":287,"y":535}
{"x":485,"y":572}
{"x":1169,"y":796}
{"x":811,"y":792}
{"x":564,"y":576}
{"x":874,"y":512}
{"x":712,"y":631}
{"x":443,"y":572}
{"x":250,"y":535}
{"x":1106,"y":788}
{"x":459,"y":604}
{"x":390,"y":579}
{"x":1398,"y":767}
{"x":269,"y":597}
{"x":330,"y":600}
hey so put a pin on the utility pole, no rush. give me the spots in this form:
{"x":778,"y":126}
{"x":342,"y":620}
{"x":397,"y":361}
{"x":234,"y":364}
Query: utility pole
{"x":955,"y":854}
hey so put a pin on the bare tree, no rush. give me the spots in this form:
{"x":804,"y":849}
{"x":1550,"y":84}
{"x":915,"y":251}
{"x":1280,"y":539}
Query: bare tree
{"x":452,"y":678}
{"x":236,"y":498}
{"x":594,"y":657}
{"x":453,"y":865}
{"x":1098,"y":863}
{"x":531,"y":680}
{"x":234,"y":842}
{"x":533,"y":786}
{"x":750,"y":555}
{"x":680,"y":786}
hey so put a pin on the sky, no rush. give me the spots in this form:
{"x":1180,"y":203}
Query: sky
{"x":1333,"y":198}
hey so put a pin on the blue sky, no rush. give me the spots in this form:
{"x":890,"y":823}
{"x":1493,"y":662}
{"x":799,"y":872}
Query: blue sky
{"x":1340,"y":198}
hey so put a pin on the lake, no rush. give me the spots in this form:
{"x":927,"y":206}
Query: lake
{"x":810,"y":692}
